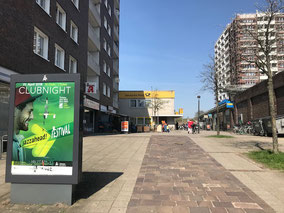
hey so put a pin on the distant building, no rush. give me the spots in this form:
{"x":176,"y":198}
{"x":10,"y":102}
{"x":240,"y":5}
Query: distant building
{"x":139,"y":106}
{"x":235,"y":43}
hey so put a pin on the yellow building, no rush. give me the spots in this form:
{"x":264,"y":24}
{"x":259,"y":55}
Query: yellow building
{"x":149,"y":107}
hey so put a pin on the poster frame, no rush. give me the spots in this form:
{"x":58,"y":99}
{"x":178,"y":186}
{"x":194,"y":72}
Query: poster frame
{"x":77,"y":136}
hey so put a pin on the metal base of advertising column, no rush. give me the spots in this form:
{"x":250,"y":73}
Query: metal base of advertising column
{"x":41,"y":193}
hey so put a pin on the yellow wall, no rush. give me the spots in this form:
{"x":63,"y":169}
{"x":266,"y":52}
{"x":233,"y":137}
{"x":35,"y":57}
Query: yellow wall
{"x":146,"y":94}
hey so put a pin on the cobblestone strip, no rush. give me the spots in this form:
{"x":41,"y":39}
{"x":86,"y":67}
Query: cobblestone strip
{"x":178,"y":176}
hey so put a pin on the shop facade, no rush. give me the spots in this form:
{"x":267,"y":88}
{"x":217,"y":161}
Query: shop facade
{"x":148,"y":108}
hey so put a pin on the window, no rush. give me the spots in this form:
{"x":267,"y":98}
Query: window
{"x":104,"y":67}
{"x":105,"y":44}
{"x":140,"y":121}
{"x":109,"y":29}
{"x":40,"y":43}
{"x":147,"y":121}
{"x":108,"y":91}
{"x":76,"y":3}
{"x":108,"y":49}
{"x":59,"y":56}
{"x":104,"y":89}
{"x":109,"y":10}
{"x":105,"y":22}
{"x":147,"y":103}
{"x":141,"y":103}
{"x":60,"y":17}
{"x":132,"y":103}
{"x":72,"y":65}
{"x":44,"y":4}
{"x":74,"y":32}
{"x":108,"y":71}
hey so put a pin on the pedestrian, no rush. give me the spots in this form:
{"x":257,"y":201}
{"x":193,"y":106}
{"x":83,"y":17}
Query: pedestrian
{"x":193,"y":128}
{"x":168,"y":129}
{"x":189,"y":126}
{"x":176,"y":125}
{"x":165,"y":127}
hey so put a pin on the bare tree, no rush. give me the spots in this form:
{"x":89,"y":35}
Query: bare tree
{"x":209,"y":79}
{"x":264,"y":45}
{"x":156,"y":104}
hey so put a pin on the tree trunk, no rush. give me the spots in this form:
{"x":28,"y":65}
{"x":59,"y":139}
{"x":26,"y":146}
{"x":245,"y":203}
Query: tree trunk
{"x":272,"y":113}
{"x":217,"y":119}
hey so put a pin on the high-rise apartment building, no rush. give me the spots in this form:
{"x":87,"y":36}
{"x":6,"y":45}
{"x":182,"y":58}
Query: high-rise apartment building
{"x":103,"y":64}
{"x":64,"y":36}
{"x":237,"y":47}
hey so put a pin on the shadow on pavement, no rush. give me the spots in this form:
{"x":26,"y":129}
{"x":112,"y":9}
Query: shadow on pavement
{"x":93,"y":182}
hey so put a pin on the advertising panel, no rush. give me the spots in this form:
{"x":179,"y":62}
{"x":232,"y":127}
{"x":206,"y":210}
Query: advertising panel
{"x":44,"y":129}
{"x":124,"y":126}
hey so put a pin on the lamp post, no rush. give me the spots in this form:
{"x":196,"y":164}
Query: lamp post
{"x":198,"y":97}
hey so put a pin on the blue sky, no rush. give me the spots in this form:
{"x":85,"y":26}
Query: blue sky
{"x":164,"y":44}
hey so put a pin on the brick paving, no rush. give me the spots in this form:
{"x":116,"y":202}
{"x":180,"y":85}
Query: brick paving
{"x":178,"y":176}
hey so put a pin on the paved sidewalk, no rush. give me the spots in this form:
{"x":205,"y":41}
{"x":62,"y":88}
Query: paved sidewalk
{"x":178,"y":176}
{"x":110,"y":168}
{"x":111,"y":165}
{"x":266,"y":183}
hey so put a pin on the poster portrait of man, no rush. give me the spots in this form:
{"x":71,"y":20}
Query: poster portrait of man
{"x":22,"y":116}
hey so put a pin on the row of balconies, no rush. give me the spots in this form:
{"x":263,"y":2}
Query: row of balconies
{"x":94,"y":44}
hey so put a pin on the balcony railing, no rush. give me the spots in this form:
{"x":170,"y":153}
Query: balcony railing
{"x":116,"y":15}
{"x":115,"y":104}
{"x":93,"y":64}
{"x":116,"y":66}
{"x":115,"y":50}
{"x":94,"y":38}
{"x":116,"y":33}
{"x":115,"y":86}
{"x":94,"y":15}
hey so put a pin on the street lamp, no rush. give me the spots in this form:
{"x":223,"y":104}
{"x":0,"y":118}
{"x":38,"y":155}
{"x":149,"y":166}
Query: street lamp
{"x":198,"y":97}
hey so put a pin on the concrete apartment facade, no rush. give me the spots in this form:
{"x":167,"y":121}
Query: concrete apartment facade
{"x":68,"y":36}
{"x":103,"y":65}
{"x":41,"y":37}
{"x":139,"y":106}
{"x":236,"y":43}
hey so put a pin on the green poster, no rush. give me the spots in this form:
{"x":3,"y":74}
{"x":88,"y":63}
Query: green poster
{"x":43,"y":128}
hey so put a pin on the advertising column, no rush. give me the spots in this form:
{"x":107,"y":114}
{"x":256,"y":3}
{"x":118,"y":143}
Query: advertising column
{"x":43,"y":134}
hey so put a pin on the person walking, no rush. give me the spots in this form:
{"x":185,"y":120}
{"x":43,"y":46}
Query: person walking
{"x":189,"y":126}
{"x":193,"y":128}
{"x":168,"y":129}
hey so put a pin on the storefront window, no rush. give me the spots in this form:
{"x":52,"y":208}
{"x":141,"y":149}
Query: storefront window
{"x":133,"y":121}
{"x":147,"y":121}
{"x":140,"y":121}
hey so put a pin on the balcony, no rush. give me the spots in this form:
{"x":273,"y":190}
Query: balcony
{"x":116,"y":33}
{"x":115,"y":50}
{"x":116,"y":85}
{"x":116,"y":67}
{"x":115,"y":100}
{"x":115,"y":104}
{"x":92,"y":77}
{"x":116,"y":3}
{"x":94,"y":15}
{"x":94,"y":39}
{"x":93,"y":63}
{"x":97,"y":1}
{"x":116,"y":15}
